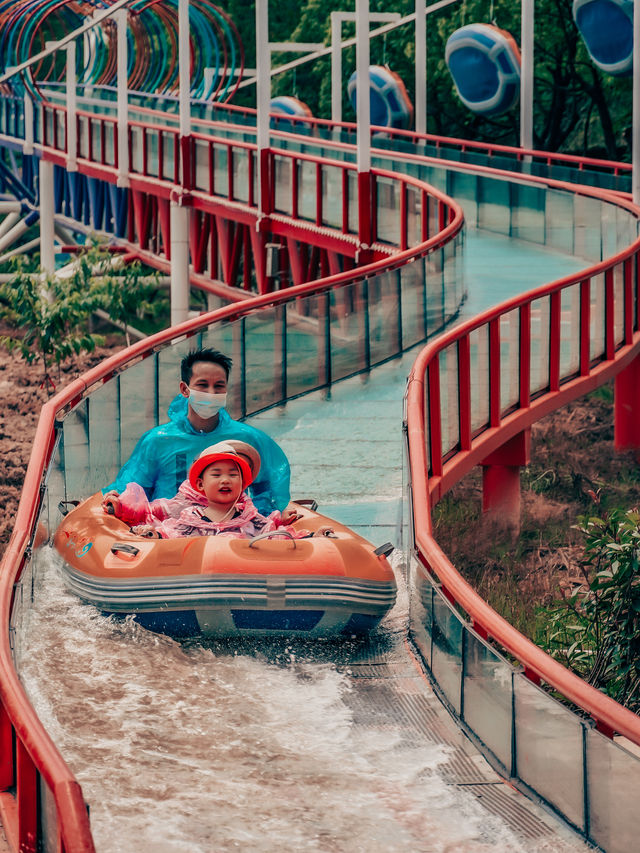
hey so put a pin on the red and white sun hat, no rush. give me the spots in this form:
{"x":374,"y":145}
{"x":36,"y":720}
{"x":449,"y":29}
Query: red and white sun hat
{"x":222,"y":451}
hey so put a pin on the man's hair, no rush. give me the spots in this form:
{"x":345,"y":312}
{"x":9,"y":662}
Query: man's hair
{"x":211,"y":355}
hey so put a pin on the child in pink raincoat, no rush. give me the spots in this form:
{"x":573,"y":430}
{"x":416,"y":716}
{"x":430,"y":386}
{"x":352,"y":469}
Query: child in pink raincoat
{"x":211,"y":502}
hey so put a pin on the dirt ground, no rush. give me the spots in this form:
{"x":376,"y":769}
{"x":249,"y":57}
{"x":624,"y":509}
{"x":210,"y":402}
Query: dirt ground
{"x":573,"y":462}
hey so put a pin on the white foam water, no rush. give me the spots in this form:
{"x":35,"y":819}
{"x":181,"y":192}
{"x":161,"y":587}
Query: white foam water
{"x":181,"y":748}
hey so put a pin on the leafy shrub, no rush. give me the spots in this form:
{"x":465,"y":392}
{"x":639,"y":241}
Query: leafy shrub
{"x":596,"y":630}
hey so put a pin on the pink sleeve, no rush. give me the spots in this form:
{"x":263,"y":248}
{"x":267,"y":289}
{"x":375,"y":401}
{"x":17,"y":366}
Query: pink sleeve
{"x":134,"y":506}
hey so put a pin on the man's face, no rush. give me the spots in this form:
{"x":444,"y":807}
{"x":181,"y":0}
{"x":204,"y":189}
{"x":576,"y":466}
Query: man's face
{"x":206,"y":376}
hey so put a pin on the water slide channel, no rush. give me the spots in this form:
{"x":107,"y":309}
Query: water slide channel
{"x":282,"y":745}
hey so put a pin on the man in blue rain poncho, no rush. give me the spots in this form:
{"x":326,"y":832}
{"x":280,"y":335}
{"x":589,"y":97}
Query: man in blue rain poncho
{"x":198,"y":418}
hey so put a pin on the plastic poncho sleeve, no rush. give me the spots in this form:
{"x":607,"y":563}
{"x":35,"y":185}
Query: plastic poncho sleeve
{"x":141,"y":467}
{"x":270,"y":490}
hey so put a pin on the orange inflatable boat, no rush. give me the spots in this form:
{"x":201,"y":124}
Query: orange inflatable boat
{"x":218,"y":586}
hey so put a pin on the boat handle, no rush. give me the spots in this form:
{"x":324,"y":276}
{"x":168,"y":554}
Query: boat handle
{"x":65,"y":507}
{"x":310,"y":502}
{"x":269,"y":533}
{"x":384,"y":550}
{"x":125,"y":548}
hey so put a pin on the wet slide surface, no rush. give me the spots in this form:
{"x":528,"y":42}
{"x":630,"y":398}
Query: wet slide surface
{"x":279,"y":745}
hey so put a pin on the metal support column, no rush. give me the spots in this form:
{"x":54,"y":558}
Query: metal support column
{"x":123,"y":98}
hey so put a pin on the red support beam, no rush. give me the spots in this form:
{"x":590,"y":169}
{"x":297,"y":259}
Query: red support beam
{"x":627,"y":407}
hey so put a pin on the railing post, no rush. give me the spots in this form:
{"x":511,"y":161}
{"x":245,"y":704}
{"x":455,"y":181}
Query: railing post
{"x":501,"y":480}
{"x":123,"y":95}
{"x":627,"y":408}
{"x":72,"y":127}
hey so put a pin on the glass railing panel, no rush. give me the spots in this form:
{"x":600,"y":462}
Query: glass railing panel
{"x":201,"y":170}
{"x":265,"y":363}
{"x":587,"y":234}
{"x":307,"y":343}
{"x":103,"y":409}
{"x":609,"y":230}
{"x":169,"y":154}
{"x":494,"y":213}
{"x":347,"y":323}
{"x":449,"y":398}
{"x":412,"y":296}
{"x":83,"y":136}
{"x":221,"y":170}
{"x":94,"y":130}
{"x":549,"y":749}
{"x":463,"y":187}
{"x":75,"y":452}
{"x":48,"y":814}
{"x":421,"y":611}
{"x":479,"y":364}
{"x":61,"y":124}
{"x":597,"y":315}
{"x":569,"y":331}
{"x":618,"y":304}
{"x":626,"y":225}
{"x":613,"y":773}
{"x":307,"y":188}
{"x":528,"y":205}
{"x":332,"y":196}
{"x":352,"y":188}
{"x":282,"y":167}
{"x":509,"y":360}
{"x":414,"y":216}
{"x":488,"y":697}
{"x":140,"y":411}
{"x":152,"y":154}
{"x":540,"y":332}
{"x":241,"y":174}
{"x":388,"y":199}
{"x":385,"y":335}
{"x":136,"y":149}
{"x":559,"y":215}
{"x":446,"y":660}
{"x":433,"y":293}
{"x":453,"y":284}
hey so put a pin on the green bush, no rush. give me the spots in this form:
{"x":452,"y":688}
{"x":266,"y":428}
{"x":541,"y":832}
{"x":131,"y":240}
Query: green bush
{"x":595,"y":631}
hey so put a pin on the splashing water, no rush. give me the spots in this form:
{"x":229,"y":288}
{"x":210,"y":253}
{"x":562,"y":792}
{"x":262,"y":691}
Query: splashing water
{"x":180,"y":747}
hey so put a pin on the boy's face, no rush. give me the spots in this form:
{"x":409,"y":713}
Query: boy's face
{"x":221,"y":483}
{"x":206,"y":376}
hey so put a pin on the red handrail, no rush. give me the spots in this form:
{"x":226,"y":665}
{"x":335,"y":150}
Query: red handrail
{"x":428,"y":488}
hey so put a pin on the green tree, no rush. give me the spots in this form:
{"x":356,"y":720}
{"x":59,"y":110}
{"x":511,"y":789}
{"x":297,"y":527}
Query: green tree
{"x":50,"y":317}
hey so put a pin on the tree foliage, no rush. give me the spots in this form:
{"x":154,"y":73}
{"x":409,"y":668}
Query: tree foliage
{"x":577,"y":108}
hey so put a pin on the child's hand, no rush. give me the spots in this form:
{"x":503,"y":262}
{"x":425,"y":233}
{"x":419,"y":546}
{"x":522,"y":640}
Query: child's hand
{"x":289,"y":515}
{"x":111,"y":502}
{"x":146,"y":530}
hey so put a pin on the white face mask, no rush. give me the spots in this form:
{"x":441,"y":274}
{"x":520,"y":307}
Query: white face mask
{"x":206,"y":405}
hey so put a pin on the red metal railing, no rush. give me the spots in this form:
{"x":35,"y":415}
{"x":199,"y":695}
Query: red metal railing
{"x":599,"y":351}
{"x":28,"y":754}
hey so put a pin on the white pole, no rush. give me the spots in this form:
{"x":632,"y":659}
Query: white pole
{"x":184,"y":65}
{"x":123,"y":98}
{"x":421,"y":66}
{"x":336,"y":66}
{"x":635,"y":134}
{"x":47,"y":209}
{"x":263,"y":100}
{"x":27,"y":148}
{"x":526,"y":85}
{"x":72,"y":129}
{"x":179,"y":223}
{"x":363,"y":111}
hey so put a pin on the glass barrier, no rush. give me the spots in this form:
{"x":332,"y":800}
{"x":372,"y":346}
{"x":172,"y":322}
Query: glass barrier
{"x":597,"y":316}
{"x":570,"y":330}
{"x":540,"y":336}
{"x":509,"y":360}
{"x":449,"y":399}
{"x":479,"y":370}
